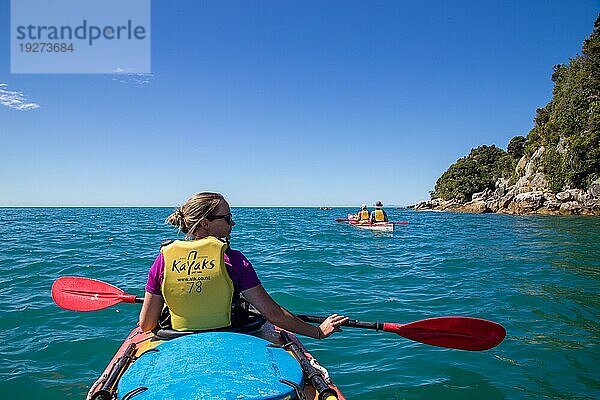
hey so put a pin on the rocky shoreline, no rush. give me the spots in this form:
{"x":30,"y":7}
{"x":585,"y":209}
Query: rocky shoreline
{"x":530,"y":194}
{"x":522,"y":200}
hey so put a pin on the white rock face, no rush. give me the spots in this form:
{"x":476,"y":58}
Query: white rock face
{"x":564,"y":196}
{"x":528,"y":201}
{"x":594,"y":189}
{"x":570,"y":207}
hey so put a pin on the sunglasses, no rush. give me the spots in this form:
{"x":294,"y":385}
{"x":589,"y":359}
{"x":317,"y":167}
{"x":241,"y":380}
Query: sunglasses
{"x":227,"y":217}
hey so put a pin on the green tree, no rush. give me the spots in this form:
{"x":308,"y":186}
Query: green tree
{"x":474,"y":173}
{"x":516,"y":147}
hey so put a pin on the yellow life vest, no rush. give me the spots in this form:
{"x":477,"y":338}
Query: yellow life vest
{"x":363,"y":215}
{"x":196,"y":285}
{"x":379,"y":216}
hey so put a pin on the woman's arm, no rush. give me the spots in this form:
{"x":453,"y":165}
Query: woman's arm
{"x":151,"y":309}
{"x":277,"y":315}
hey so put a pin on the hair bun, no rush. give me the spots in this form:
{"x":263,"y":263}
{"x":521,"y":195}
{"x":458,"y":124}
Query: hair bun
{"x":180,"y":217}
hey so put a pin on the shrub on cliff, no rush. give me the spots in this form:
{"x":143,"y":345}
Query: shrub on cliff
{"x":516,"y":147}
{"x":474,"y":173}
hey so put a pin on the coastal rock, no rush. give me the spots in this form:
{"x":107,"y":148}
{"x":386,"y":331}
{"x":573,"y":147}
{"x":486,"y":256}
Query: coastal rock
{"x":502,"y":183}
{"x":593,"y":206}
{"x":570,"y":207}
{"x":428,"y":204}
{"x":552,"y":205}
{"x":594,"y":189}
{"x":475,"y":207}
{"x":480,"y":196}
{"x":521,"y":164}
{"x":564,"y":196}
{"x":549,"y":196}
{"x":531,"y":165}
{"x":539,"y":181}
{"x":507,"y":199}
{"x":501,"y":187}
{"x":527,"y":202}
{"x":521,"y":182}
{"x":530,"y":171}
{"x":450,"y":205}
{"x":530,"y":198}
{"x":437,"y":202}
{"x":578,"y":195}
{"x":422,"y":205}
{"x":493,"y":205}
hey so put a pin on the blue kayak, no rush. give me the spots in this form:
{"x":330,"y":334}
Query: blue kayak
{"x":220,"y":365}
{"x":212,"y":365}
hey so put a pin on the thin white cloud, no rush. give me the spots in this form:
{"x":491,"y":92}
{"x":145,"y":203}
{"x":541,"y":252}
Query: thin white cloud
{"x":126,"y":76}
{"x":15,"y":100}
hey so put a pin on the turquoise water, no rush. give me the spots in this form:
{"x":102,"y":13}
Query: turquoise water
{"x":537,"y":276}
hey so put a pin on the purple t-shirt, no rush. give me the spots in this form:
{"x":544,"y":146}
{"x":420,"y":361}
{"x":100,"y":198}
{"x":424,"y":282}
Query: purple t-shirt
{"x":240,"y":271}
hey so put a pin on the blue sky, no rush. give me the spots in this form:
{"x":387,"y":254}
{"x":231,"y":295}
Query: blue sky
{"x":286,"y":103}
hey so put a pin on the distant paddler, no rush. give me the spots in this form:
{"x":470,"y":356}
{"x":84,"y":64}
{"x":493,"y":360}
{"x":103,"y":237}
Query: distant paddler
{"x":378,"y":215}
{"x":363,"y":215}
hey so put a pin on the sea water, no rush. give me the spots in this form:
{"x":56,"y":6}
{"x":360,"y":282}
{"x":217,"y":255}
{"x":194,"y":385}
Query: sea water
{"x":538,"y":276}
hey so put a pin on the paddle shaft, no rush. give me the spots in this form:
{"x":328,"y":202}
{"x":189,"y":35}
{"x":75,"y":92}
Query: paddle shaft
{"x":378,"y":326}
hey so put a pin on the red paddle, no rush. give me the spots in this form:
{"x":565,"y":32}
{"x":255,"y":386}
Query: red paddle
{"x":464,"y":333}
{"x":85,"y":294}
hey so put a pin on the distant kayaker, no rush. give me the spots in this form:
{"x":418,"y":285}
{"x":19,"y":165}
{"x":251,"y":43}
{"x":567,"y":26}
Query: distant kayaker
{"x":378,"y":215}
{"x":363,"y":214}
{"x":199,"y":279}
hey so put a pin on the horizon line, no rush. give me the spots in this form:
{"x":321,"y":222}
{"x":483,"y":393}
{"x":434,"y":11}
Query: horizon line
{"x":233,"y":206}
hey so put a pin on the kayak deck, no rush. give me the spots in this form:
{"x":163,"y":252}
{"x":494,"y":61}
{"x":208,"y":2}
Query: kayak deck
{"x":138,"y":343}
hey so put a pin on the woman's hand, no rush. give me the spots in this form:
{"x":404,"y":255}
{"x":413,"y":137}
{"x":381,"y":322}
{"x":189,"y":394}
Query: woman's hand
{"x":277,"y":315}
{"x":331,"y":324}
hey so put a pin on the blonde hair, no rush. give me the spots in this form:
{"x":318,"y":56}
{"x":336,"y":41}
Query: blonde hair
{"x":195,"y":209}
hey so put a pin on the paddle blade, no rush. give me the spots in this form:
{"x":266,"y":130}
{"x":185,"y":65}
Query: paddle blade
{"x":85,"y":294}
{"x":341,"y":220}
{"x":464,"y":333}
{"x":400,"y":223}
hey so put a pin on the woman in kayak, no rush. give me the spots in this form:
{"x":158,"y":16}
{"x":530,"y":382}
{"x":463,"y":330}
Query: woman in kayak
{"x":200,"y":279}
{"x":379,"y":215}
